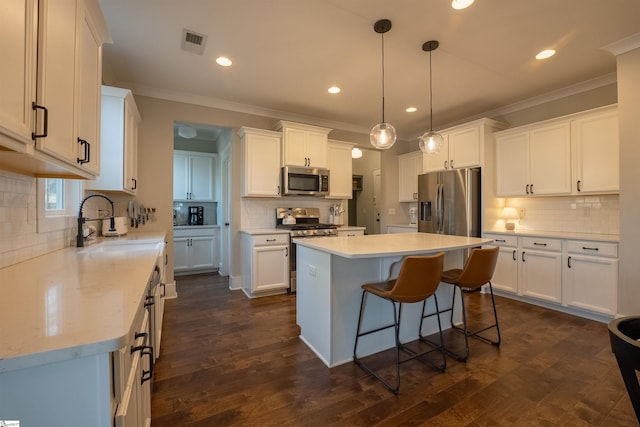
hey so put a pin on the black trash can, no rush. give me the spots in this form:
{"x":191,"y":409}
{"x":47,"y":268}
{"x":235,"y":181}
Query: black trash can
{"x":624,"y":334}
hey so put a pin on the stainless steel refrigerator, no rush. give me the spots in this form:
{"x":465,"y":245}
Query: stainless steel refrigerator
{"x":449,"y":202}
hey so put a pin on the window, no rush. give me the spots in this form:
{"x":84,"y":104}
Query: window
{"x":57,"y":203}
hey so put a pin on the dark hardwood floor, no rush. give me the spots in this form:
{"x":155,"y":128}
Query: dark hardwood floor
{"x":229,"y":360}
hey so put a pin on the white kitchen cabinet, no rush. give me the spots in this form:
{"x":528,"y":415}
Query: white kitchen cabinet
{"x":462,"y":148}
{"x":303,"y":145}
{"x":118,"y":142}
{"x":534,"y":160}
{"x":52,"y":93}
{"x":265,"y":264}
{"x":340,"y":168}
{"x":505,"y":276}
{"x":590,"y":276}
{"x":596,"y":154}
{"x":193,"y":176}
{"x":409,"y":167}
{"x":260,"y":152}
{"x":195,"y":249}
{"x":541,"y":268}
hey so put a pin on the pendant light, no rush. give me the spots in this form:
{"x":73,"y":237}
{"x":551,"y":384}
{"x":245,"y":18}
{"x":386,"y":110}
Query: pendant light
{"x":383,"y":135}
{"x":431,"y":142}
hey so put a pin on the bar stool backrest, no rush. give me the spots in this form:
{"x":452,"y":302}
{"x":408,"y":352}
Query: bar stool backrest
{"x":418,"y":278}
{"x":479,"y":268}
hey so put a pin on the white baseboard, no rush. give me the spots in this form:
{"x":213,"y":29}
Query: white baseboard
{"x":170,"y":291}
{"x":235,"y":282}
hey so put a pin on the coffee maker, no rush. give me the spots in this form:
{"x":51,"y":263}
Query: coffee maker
{"x":196,"y":215}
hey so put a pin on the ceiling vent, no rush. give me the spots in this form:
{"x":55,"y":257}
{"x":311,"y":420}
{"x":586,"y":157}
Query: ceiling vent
{"x":193,"y":42}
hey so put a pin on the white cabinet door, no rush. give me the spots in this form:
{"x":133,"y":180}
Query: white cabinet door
{"x":270,"y":268}
{"x":180,"y":176}
{"x":180,"y":254}
{"x":550,"y":159}
{"x":317,"y":149}
{"x":541,"y":275}
{"x":505,"y":276}
{"x":303,"y":145}
{"x":131,"y":124}
{"x":409,"y":167}
{"x":260,"y":162}
{"x":340,"y":170}
{"x":295,"y":147}
{"x":591,"y":283}
{"x":201,"y":252}
{"x":512,"y":165}
{"x":18,"y":44}
{"x":201,"y":177}
{"x":597,"y":152}
{"x":464,"y":148}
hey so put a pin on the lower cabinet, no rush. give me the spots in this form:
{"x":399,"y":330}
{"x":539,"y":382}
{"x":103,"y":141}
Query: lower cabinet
{"x":570,"y":273}
{"x":195,"y":249}
{"x":359,"y":231}
{"x":265,"y":264}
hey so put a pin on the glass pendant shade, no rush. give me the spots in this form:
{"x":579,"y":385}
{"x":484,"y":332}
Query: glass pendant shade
{"x":383,"y":136}
{"x":431,"y":142}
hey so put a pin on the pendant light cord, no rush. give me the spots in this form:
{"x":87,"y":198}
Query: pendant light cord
{"x":382,"y":39}
{"x":430,"y":95}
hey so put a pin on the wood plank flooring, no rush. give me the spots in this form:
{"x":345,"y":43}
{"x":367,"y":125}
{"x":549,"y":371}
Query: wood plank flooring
{"x":228,"y":360}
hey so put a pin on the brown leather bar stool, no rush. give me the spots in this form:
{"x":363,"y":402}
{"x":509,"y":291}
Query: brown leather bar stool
{"x":417,"y":281}
{"x":477,"y":272}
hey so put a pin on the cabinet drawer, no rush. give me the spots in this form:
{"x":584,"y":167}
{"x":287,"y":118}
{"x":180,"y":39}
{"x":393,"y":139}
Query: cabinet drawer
{"x":586,"y":247}
{"x":501,"y":240}
{"x":270,"y":239}
{"x":541,"y":243}
{"x":193,"y":232}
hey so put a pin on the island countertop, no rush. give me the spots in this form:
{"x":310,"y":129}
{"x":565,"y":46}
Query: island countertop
{"x":385,"y":245}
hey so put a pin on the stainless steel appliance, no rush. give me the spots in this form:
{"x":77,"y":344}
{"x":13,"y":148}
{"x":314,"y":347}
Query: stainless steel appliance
{"x":304,"y":181}
{"x":449,"y":202}
{"x":196,"y":215}
{"x":307,"y":225}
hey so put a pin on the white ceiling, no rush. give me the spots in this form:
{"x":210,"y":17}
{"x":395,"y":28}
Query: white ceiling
{"x":286,"y":54}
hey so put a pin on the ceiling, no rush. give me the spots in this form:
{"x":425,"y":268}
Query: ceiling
{"x":286,"y":53}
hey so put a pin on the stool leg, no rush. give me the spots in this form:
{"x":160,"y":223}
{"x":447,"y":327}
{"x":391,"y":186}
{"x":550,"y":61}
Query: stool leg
{"x":495,"y":316}
{"x":355,"y":345}
{"x":628,"y":371}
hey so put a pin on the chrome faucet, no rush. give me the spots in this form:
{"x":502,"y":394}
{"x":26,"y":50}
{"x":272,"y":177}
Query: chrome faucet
{"x":82,"y":220}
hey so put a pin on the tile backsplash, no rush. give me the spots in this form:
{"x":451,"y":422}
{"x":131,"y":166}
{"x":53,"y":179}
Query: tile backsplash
{"x":19,"y":239}
{"x":599,"y":214}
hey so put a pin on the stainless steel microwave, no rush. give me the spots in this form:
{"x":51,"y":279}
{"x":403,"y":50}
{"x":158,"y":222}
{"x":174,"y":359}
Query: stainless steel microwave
{"x":304,"y":181}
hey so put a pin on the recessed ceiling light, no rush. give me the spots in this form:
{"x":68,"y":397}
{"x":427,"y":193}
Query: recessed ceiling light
{"x":548,"y":53}
{"x":224,"y":61}
{"x":411,"y":109}
{"x":333,"y":89}
{"x":461,"y":4}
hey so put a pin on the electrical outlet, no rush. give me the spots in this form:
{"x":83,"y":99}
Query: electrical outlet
{"x":522,"y":213}
{"x":312,"y":270}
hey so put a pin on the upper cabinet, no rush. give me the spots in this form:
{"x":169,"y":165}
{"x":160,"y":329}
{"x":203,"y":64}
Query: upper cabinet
{"x":463,"y":146}
{"x":340,"y":168}
{"x":596,"y":153}
{"x":260,"y":152}
{"x":543,"y":159}
{"x":303,"y":145}
{"x":50,"y":112}
{"x":118,"y":142}
{"x":193,"y":176}
{"x":409,"y":167}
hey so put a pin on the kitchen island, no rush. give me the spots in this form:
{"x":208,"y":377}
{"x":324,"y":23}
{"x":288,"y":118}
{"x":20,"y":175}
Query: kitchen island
{"x":330,"y":271}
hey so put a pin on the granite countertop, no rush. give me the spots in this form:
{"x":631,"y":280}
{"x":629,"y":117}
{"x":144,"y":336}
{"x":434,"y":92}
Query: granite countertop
{"x":614,"y":238}
{"x":74,"y":302}
{"x":383,"y":245}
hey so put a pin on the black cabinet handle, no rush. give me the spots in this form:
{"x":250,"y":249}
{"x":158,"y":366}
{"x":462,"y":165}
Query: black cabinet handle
{"x":445,"y":164}
{"x":286,"y":251}
{"x":45,"y":124}
{"x":500,"y":240}
{"x":138,"y":335}
{"x":271,"y":240}
{"x":569,"y":262}
{"x":527,"y":189}
{"x":578,"y":185}
{"x":451,"y":164}
{"x":586,"y":248}
{"x":278,"y":190}
{"x":539,"y":244}
{"x":531,"y":188}
{"x":514,"y":255}
{"x":87,"y":152}
{"x":147,"y":375}
{"x":135,"y":184}
{"x":150,"y":301}
{"x":523,"y":256}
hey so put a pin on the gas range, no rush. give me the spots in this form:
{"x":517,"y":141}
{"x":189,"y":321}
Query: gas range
{"x":307,"y":223}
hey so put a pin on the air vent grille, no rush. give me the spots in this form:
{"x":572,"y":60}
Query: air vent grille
{"x":193,"y":42}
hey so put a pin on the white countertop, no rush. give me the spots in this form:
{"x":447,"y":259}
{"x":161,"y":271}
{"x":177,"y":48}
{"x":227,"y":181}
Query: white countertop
{"x":382,"y":245}
{"x":260,"y":231}
{"x":558,"y":235}
{"x":74,"y":302}
{"x":189,"y":227}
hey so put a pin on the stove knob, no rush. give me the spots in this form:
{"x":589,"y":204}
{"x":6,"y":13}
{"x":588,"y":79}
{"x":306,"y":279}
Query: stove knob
{"x":307,"y":232}
{"x":327,"y":232}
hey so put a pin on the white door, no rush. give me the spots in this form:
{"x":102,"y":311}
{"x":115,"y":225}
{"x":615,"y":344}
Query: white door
{"x":376,"y":201}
